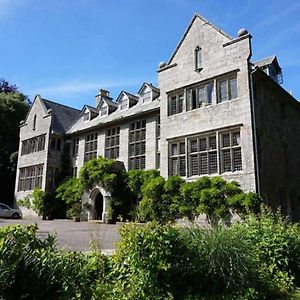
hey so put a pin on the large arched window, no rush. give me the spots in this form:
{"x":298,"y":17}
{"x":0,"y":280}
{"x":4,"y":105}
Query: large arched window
{"x":34,"y":122}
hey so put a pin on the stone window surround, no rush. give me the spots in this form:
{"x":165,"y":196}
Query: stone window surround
{"x":34,"y":144}
{"x":30,"y":177}
{"x":218,"y":132}
{"x":215,"y":94}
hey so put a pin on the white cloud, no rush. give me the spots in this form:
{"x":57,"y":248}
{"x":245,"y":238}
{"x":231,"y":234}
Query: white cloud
{"x":88,"y":86}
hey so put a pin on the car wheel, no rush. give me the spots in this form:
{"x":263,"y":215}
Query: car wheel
{"x":15,"y":216}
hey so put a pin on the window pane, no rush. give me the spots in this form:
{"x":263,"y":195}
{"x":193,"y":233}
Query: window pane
{"x":212,"y":143}
{"x":180,"y":103}
{"x":223,"y":91}
{"x":182,"y":148}
{"x":226,"y":160}
{"x":174,"y":149}
{"x":203,"y":144}
{"x":233,"y":88}
{"x":237,"y":159}
{"x":173,"y":105}
{"x":225,"y":140}
{"x":174,"y":166}
{"x":182,"y":171}
{"x":194,"y":165}
{"x":194,"y":146}
{"x":213,"y":162}
{"x":209,"y":89}
{"x":203,"y":164}
{"x":235,"y":139}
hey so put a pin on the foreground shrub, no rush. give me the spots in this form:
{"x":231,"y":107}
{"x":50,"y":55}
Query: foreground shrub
{"x":146,"y":263}
{"x":33,"y":269}
{"x":275,"y":245}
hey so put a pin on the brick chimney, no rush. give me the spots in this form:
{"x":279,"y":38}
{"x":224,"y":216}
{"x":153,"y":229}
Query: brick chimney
{"x":103,"y":94}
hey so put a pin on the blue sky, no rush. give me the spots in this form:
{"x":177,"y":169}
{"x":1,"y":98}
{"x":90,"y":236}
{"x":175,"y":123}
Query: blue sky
{"x":66,"y":50}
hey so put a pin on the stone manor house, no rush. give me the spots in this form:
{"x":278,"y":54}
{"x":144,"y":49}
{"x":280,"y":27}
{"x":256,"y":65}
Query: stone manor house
{"x":214,"y":112}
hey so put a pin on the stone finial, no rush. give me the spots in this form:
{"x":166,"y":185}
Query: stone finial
{"x":242,"y":32}
{"x":162,"y":64}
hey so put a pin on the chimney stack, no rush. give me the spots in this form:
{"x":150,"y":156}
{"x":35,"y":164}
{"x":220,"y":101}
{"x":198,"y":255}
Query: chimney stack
{"x":102,"y":95}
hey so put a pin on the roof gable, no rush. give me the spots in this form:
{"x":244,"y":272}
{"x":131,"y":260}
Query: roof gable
{"x":37,"y":101}
{"x":192,"y":22}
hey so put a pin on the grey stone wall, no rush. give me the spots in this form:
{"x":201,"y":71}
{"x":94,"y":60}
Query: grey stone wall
{"x":43,"y":126}
{"x":277,"y":117}
{"x":220,"y":56}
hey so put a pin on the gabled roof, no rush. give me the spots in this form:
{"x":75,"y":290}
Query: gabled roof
{"x":128,"y":95}
{"x":90,"y":108}
{"x":268,"y":61}
{"x":63,"y":116}
{"x":188,"y":29}
{"x":150,"y":86}
{"x":110,"y":102}
{"x":118,"y":116}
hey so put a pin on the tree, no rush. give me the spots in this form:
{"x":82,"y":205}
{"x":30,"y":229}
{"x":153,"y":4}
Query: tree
{"x":13,"y":109}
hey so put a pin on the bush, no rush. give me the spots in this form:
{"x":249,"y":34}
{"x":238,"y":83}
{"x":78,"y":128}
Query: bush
{"x":70,"y":192}
{"x":145,"y":263}
{"x":38,"y":201}
{"x":275,"y":245}
{"x":33,"y":269}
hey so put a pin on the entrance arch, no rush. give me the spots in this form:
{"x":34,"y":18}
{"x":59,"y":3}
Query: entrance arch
{"x":98,"y":206}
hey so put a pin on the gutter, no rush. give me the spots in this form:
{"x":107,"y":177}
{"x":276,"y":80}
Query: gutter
{"x":254,"y":133}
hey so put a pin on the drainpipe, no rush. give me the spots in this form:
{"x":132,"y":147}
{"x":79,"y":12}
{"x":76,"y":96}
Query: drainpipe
{"x":254,"y":133}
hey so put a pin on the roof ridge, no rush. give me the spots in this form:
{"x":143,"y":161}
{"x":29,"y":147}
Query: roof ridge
{"x":60,"y":104}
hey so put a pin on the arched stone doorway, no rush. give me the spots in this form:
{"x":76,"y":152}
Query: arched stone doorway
{"x":99,"y":206}
{"x":96,"y":204}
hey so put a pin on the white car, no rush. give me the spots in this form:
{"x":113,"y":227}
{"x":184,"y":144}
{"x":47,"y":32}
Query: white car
{"x":8,"y":212}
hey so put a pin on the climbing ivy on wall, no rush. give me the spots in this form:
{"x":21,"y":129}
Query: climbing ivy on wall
{"x":112,"y":176}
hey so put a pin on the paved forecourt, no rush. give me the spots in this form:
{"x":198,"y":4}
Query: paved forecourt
{"x":75,"y":236}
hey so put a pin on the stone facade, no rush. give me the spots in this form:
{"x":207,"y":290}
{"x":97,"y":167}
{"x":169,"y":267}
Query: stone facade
{"x":215,"y":113}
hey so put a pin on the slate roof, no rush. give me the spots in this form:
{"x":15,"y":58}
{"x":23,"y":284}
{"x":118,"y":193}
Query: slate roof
{"x":267,"y":61}
{"x":63,"y":116}
{"x":116,"y":116}
{"x":92,"y":109}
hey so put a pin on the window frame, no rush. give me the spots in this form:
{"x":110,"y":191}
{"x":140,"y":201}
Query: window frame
{"x":229,"y":90}
{"x":112,"y":134}
{"x":137,"y":145}
{"x":198,"y":58}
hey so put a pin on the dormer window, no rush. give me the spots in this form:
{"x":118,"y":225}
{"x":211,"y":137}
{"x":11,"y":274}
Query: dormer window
{"x":198,"y":59}
{"x":123,"y":104}
{"x":103,"y":111}
{"x":86,"y":116}
{"x":146,"y":97}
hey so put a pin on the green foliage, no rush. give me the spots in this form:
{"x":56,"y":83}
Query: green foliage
{"x":38,"y":201}
{"x":144,"y":262}
{"x":136,"y":179}
{"x":275,"y":246}
{"x":70,"y":191}
{"x":161,"y":199}
{"x":25,"y":202}
{"x":101,"y":170}
{"x":34,"y":269}
{"x":258,"y":258}
{"x":113,"y":177}
{"x":13,"y":109}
